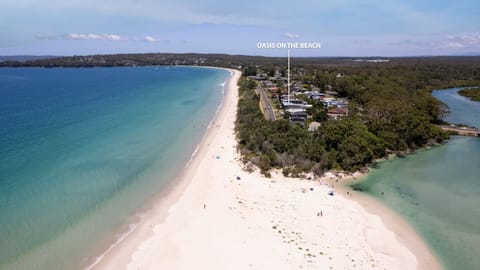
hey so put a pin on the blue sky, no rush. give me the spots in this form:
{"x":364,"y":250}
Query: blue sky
{"x":344,"y":27}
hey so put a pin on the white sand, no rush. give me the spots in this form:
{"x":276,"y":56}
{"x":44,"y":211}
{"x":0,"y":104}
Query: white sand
{"x":258,"y":223}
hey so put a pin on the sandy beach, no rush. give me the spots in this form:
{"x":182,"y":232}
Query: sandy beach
{"x":219,"y":216}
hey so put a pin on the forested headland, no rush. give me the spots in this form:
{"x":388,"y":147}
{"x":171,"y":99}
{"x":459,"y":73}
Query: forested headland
{"x":473,"y":93}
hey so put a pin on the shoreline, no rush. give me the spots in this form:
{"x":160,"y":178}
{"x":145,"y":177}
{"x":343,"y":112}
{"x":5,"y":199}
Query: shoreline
{"x":403,"y":230}
{"x":218,"y":216}
{"x":158,"y":209}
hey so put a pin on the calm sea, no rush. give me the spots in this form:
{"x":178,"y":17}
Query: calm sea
{"x":438,"y":190}
{"x":82,"y":150}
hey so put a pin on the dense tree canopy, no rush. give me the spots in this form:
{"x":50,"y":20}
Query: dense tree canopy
{"x":391,"y":110}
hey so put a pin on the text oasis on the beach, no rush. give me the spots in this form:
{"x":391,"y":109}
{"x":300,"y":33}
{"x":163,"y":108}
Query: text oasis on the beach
{"x":289,"y":45}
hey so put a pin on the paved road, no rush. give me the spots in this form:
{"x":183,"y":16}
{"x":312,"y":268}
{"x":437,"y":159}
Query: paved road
{"x":267,"y":105}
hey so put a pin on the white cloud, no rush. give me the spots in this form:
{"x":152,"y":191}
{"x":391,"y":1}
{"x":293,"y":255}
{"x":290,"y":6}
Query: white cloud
{"x":452,"y":45}
{"x":291,"y":35}
{"x":459,"y":42}
{"x":413,"y":43}
{"x":444,"y":43}
{"x":110,"y":37}
{"x":151,"y":39}
{"x":90,"y":36}
{"x":464,"y":41}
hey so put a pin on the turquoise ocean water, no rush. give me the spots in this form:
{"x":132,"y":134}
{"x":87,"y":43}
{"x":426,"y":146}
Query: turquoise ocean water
{"x":438,"y":190}
{"x":82,"y":150}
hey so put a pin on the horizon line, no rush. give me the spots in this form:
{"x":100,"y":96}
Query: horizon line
{"x":472,"y":54}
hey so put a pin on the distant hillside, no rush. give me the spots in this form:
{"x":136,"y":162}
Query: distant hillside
{"x":468,"y":54}
{"x":236,"y":61}
{"x":24,"y":58}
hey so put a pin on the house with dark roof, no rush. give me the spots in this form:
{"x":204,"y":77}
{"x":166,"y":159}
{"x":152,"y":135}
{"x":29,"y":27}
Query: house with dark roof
{"x":298,"y":117}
